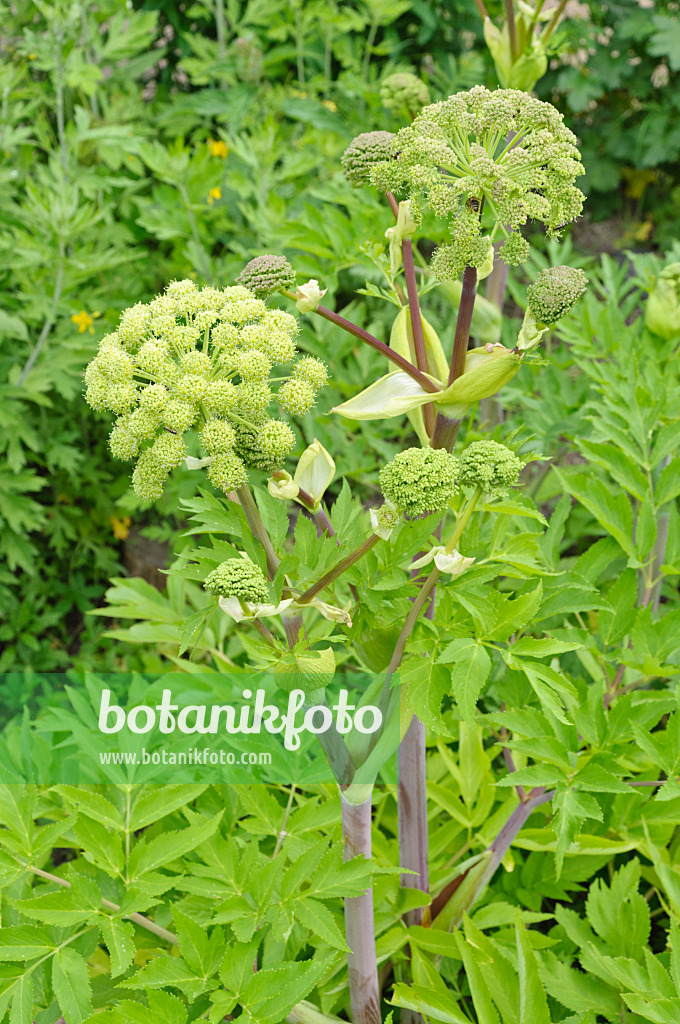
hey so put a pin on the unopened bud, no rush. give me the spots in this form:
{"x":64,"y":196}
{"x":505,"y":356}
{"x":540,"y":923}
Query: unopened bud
{"x":309,"y":296}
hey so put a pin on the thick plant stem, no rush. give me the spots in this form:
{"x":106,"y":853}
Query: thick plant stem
{"x":445,"y":432}
{"x":359,"y":924}
{"x":461,"y":338}
{"x":512,"y":28}
{"x":466,"y":890}
{"x":412,"y":813}
{"x":416,"y":324}
{"x":252,"y":514}
{"x":337,"y":570}
{"x":445,"y":429}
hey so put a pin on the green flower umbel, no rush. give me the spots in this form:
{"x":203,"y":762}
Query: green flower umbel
{"x":501,"y":151}
{"x":237,"y":577}
{"x":490,"y":466}
{"x":420,"y":481}
{"x":202,"y":359}
{"x":554,"y":292}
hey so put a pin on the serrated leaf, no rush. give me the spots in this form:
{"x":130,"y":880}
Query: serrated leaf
{"x":56,"y":908}
{"x":71,"y":984}
{"x":273,"y":991}
{"x":24,"y":942}
{"x":159,"y":972}
{"x":320,"y":921}
{"x":668,"y":485}
{"x":533,"y":1005}
{"x":431,"y":1004}
{"x":471,"y":669}
{"x":22,"y":1001}
{"x":169,"y":846}
{"x":611,"y":509}
{"x":119,"y":937}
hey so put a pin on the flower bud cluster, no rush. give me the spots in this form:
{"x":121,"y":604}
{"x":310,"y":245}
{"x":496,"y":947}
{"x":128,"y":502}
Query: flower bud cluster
{"x":403,"y":89}
{"x":504,"y":151}
{"x":489,"y":466}
{"x":420,"y":481}
{"x":202,"y":358}
{"x":237,"y":577}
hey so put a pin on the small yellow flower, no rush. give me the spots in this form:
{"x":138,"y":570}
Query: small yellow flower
{"x":121,"y":527}
{"x":218,"y":148}
{"x":329,"y":105}
{"x":85,"y":321}
{"x":31,"y":56}
{"x":213,"y":194}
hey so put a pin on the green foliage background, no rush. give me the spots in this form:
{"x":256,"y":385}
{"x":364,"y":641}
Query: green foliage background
{"x":144,"y":143}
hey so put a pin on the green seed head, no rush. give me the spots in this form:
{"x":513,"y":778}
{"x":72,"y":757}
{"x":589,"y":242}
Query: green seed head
{"x":311,"y":370}
{"x":267,"y":274}
{"x":296,"y":396}
{"x":555,"y":291}
{"x":363,"y":152}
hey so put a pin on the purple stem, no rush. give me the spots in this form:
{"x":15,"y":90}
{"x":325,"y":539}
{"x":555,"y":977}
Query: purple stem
{"x":364,"y":989}
{"x":380,"y":346}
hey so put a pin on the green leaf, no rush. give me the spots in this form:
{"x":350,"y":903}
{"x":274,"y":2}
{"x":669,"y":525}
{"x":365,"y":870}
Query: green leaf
{"x":92,"y":804}
{"x":513,"y":615}
{"x":571,"y":808}
{"x":471,"y":669}
{"x":431,"y":1004}
{"x":314,"y":915}
{"x":546,"y":648}
{"x":194,"y":944}
{"x":612,"y":510}
{"x":533,"y":1005}
{"x":159,"y":972}
{"x":273,"y":991}
{"x":620,"y":465}
{"x":24,"y":942}
{"x":57,"y":908}
{"x":71,"y":983}
{"x":668,"y":485}
{"x":119,"y":937}
{"x":166,"y":1008}
{"x":169,"y":846}
{"x":645,"y":531}
{"x":575,"y":989}
{"x":22,"y":1001}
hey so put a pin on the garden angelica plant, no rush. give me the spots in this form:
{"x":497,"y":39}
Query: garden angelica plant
{"x":193,"y":377}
